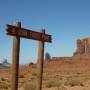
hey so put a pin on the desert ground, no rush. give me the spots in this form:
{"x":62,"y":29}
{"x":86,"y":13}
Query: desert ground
{"x":59,"y":74}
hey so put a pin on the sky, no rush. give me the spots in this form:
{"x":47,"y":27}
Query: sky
{"x":65,"y":20}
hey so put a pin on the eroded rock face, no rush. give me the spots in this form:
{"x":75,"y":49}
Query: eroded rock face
{"x":83,"y":46}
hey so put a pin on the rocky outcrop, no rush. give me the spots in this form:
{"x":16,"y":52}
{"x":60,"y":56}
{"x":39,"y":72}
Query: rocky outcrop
{"x":83,"y":46}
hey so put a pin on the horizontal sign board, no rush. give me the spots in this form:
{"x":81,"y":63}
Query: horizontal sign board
{"x":29,"y":34}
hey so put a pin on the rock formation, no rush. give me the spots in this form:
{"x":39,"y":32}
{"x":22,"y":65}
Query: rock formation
{"x":83,"y":46}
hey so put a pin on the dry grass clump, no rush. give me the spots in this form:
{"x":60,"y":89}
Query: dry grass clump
{"x":74,"y":82}
{"x":30,"y":85}
{"x":53,"y":83}
{"x":4,"y":84}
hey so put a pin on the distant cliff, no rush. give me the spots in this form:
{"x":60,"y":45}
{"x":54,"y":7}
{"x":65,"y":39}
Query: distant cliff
{"x":5,"y":63}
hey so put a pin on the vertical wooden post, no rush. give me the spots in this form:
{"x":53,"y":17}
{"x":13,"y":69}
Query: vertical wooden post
{"x":40,"y":62}
{"x":15,"y":60}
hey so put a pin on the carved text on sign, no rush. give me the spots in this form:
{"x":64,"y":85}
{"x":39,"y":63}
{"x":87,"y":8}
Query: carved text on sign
{"x":29,"y":34}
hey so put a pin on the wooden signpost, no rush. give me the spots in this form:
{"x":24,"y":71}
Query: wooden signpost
{"x":17,"y":32}
{"x":29,"y":34}
{"x":15,"y":60}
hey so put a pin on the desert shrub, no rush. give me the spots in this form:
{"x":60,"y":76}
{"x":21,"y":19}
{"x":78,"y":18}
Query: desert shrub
{"x":4,"y":85}
{"x":74,"y":82}
{"x":53,"y":83}
{"x":47,"y":56}
{"x":30,"y":85}
{"x":31,"y":63}
{"x":87,"y":78}
{"x":2,"y":79}
{"x":34,"y":73}
{"x":78,"y":73}
{"x":21,"y":76}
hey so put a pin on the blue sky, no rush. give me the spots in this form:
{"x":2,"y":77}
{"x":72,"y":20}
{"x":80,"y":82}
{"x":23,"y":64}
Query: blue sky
{"x":65,"y":20}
